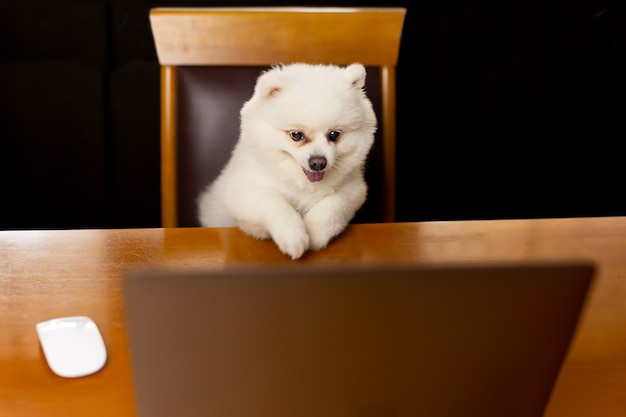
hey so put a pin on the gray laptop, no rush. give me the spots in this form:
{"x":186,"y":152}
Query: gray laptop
{"x":352,"y":341}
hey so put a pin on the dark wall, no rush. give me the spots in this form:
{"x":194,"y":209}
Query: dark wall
{"x":506,"y":109}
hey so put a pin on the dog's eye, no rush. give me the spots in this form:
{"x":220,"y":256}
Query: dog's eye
{"x":333,"y":135}
{"x":296,"y":135}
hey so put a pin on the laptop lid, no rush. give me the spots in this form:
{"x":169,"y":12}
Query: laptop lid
{"x":362,"y":341}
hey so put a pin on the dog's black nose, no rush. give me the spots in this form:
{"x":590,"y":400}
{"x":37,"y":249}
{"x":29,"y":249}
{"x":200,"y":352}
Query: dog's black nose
{"x":317,"y":163}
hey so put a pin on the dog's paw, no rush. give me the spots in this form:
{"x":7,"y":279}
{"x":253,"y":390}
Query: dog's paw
{"x":319,"y":240}
{"x":321,"y":230}
{"x":292,"y":241}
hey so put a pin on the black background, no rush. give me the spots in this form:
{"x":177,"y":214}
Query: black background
{"x":506,"y":109}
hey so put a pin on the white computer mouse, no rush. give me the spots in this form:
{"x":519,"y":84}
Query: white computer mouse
{"x":73,"y":346}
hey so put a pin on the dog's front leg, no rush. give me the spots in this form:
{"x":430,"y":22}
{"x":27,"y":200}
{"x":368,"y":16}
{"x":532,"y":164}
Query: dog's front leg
{"x":330,"y":216}
{"x":267,"y":215}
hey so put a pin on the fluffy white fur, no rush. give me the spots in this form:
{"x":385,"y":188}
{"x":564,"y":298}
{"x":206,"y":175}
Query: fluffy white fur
{"x":271,"y":187}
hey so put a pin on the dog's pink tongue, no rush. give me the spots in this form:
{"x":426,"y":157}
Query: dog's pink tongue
{"x":314,"y":176}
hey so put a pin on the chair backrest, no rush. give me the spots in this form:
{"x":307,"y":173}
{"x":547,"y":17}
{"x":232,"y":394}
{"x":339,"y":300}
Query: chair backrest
{"x":210,"y":59}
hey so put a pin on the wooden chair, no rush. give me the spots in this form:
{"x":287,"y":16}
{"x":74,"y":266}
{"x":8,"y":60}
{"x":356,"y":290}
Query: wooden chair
{"x":210,"y":59}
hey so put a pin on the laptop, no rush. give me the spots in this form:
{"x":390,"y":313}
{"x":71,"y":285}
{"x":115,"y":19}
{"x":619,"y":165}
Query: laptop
{"x":352,"y":341}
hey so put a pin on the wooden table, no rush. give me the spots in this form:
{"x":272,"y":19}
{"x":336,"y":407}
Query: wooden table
{"x":47,"y":274}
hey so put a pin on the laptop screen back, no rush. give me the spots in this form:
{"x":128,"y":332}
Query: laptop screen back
{"x":352,"y":341}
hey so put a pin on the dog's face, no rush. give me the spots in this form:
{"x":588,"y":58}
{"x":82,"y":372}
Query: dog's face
{"x":313,"y":116}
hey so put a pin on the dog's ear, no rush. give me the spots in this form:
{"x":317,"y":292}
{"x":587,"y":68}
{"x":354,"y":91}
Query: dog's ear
{"x":270,"y":83}
{"x":356,"y":75}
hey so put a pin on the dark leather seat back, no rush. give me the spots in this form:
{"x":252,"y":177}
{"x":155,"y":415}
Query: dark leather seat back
{"x":209,"y":99}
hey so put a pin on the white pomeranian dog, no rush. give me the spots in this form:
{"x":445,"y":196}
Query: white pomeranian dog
{"x":296,"y":172}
